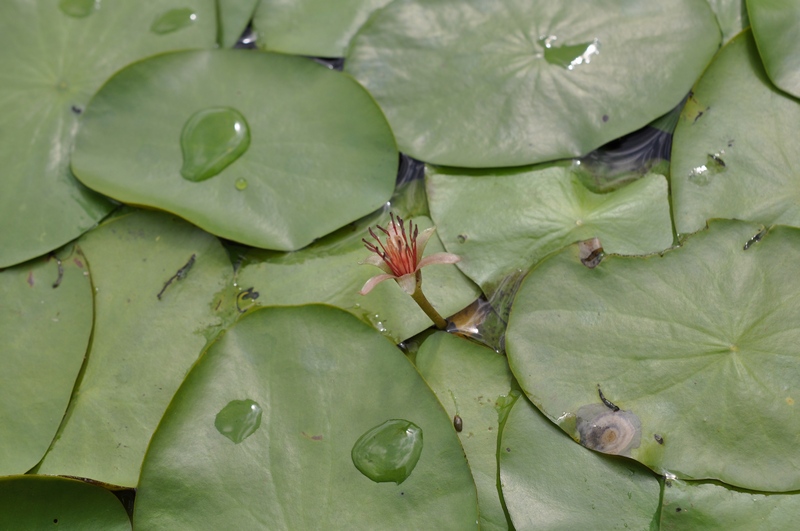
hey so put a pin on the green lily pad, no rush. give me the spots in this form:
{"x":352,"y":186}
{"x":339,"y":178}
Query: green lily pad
{"x":466,"y":83}
{"x":322,"y":379}
{"x":694,"y":505}
{"x":142,"y":346}
{"x":471,"y":382}
{"x":734,"y":152}
{"x":41,"y":502}
{"x":731,"y":16}
{"x":234,"y":15}
{"x":549,"y":482}
{"x":774,"y":24}
{"x":501,"y":221}
{"x":697,"y":349}
{"x":329,"y":272}
{"x":320,"y":153}
{"x":319,"y":28}
{"x":45,"y":323}
{"x":52,"y":64}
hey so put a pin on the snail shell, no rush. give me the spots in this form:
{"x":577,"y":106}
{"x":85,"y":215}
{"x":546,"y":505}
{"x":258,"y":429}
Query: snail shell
{"x":608,"y":431}
{"x":591,"y":252}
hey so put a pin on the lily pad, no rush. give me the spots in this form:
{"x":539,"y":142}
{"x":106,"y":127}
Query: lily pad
{"x":472,"y":382}
{"x":323,"y":379}
{"x":41,"y":502}
{"x":476,"y":84}
{"x":734,"y":151}
{"x":142,"y":345}
{"x":329,"y":272}
{"x":52,"y":64}
{"x":320,"y":153}
{"x":501,"y":221}
{"x":694,"y":505}
{"x":45,"y":323}
{"x":695,"y":349}
{"x":731,"y":16}
{"x":774,"y":24}
{"x":549,"y":482}
{"x":319,"y":28}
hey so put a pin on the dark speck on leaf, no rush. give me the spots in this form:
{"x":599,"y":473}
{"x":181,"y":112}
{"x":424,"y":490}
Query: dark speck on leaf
{"x":605,"y":117}
{"x":76,"y":109}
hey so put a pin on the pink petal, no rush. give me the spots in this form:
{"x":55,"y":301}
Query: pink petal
{"x":408,"y":282}
{"x":422,"y":240}
{"x":376,"y":261}
{"x":439,"y":258}
{"x":374,"y":281}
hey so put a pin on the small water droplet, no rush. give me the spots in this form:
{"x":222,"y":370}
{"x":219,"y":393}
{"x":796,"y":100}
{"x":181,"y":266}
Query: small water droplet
{"x":462,"y":238}
{"x":701,"y":175}
{"x":388,"y":452}
{"x":569,"y":56}
{"x":211,"y":140}
{"x":173,"y":20}
{"x":78,"y":8}
{"x":241,"y":183}
{"x":238,"y":420}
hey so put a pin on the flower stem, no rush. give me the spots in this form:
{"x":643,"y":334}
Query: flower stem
{"x":426,"y":306}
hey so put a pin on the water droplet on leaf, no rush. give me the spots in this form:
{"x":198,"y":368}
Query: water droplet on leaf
{"x":238,"y":420}
{"x":211,"y":140}
{"x":569,"y":56}
{"x":388,"y":452}
{"x":173,"y":20}
{"x":241,"y":183}
{"x":78,"y":8}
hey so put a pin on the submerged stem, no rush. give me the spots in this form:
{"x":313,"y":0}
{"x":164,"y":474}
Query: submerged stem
{"x":426,"y":306}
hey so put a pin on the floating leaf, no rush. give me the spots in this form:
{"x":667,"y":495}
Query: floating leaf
{"x":774,"y":25}
{"x":734,"y":152}
{"x":45,"y":323}
{"x":477,"y":84}
{"x":323,"y":379}
{"x":318,"y":28}
{"x":55,"y":55}
{"x":472,"y":382}
{"x":549,"y":482}
{"x":697,"y":349}
{"x":41,"y":502}
{"x":234,"y":16}
{"x":155,"y":277}
{"x":320,"y":156}
{"x":731,"y":16}
{"x":501,"y":221}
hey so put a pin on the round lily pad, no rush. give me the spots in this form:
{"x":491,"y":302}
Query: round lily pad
{"x":549,"y":482}
{"x":288,"y":153}
{"x":536,"y":211}
{"x":694,"y":353}
{"x":734,"y":151}
{"x":45,"y":323}
{"x":323,"y":381}
{"x":155,"y":277}
{"x":774,"y":24}
{"x":476,"y":84}
{"x":55,"y":55}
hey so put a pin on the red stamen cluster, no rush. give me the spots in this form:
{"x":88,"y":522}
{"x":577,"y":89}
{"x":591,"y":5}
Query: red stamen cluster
{"x":399,"y":253}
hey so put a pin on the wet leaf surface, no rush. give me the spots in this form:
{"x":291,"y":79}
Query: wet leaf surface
{"x":734,"y":151}
{"x":323,"y":379}
{"x":470,"y":84}
{"x":142,"y":346}
{"x":52,"y":63}
{"x":501,"y":221}
{"x":549,"y":482}
{"x":695,"y":348}
{"x":320,"y":153}
{"x":45,"y":331}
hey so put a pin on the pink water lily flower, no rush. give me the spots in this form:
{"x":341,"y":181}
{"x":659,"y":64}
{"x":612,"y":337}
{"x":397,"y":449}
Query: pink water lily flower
{"x":400,"y":256}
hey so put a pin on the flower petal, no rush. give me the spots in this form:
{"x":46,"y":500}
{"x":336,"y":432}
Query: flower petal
{"x":374,"y":281}
{"x":422,"y":240}
{"x":376,"y":261}
{"x":439,"y":258}
{"x":408,"y":282}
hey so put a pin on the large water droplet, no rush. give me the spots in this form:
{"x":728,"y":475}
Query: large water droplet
{"x":211,"y":140}
{"x":388,"y":452}
{"x":173,"y":20}
{"x":78,"y":8}
{"x":569,"y":56}
{"x":701,"y":175}
{"x":238,"y":420}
